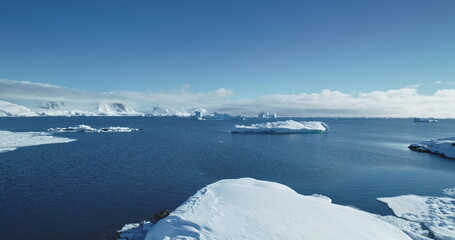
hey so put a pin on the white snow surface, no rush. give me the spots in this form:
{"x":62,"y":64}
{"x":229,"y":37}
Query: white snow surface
{"x":9,"y":141}
{"x":8,"y":109}
{"x":436,"y":213}
{"x":134,"y":231}
{"x":289,"y":126}
{"x":86,"y":128}
{"x":443,"y":146}
{"x":251,"y":209}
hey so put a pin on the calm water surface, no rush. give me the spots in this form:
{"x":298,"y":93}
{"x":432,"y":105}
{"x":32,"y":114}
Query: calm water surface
{"x":88,"y":188}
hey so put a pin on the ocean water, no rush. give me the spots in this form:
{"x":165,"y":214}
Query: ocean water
{"x":88,"y":188}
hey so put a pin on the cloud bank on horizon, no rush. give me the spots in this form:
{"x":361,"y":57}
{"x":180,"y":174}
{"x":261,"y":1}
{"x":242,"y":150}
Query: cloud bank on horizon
{"x":404,"y":102}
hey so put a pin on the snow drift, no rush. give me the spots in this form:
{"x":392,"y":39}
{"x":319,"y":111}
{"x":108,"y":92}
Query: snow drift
{"x":251,"y":209}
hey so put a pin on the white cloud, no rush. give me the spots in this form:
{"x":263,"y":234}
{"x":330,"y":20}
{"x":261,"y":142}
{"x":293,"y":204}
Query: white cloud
{"x":405,"y":102}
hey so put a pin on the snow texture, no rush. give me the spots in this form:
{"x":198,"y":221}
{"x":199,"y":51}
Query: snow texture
{"x":9,"y":141}
{"x":289,"y":126}
{"x":437,"y":214}
{"x":444,"y":147}
{"x":134,"y":231}
{"x":251,"y":209}
{"x":86,"y":128}
{"x":8,"y":109}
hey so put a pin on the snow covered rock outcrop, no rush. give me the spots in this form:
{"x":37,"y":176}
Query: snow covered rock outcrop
{"x":251,"y":209}
{"x":134,"y":231}
{"x":86,"y":128}
{"x":9,"y":141}
{"x":50,"y":105}
{"x":8,"y":109}
{"x":444,"y":147}
{"x":267,"y":115}
{"x":116,"y":109}
{"x":437,"y":214}
{"x":289,"y":126}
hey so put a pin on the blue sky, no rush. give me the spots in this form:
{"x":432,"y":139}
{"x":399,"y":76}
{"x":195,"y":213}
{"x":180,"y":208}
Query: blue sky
{"x":254,"y":48}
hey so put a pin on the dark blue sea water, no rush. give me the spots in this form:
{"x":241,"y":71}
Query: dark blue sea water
{"x":88,"y":188}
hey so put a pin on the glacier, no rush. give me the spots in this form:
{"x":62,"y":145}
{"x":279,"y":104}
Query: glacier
{"x":10,"y":141}
{"x":267,"y":115}
{"x":444,"y":147}
{"x":283,"y":127}
{"x":8,"y":109}
{"x":116,"y":109}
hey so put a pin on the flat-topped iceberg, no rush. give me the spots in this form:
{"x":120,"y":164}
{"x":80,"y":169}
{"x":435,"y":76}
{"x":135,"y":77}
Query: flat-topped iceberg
{"x":86,"y":128}
{"x":444,"y":147}
{"x":251,"y":209}
{"x":431,"y":120}
{"x":9,"y":141}
{"x":437,"y":214}
{"x":289,"y":126}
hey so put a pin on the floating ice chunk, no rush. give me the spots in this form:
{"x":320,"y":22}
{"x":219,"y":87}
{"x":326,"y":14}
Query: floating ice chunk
{"x":444,"y":147}
{"x":9,"y":141}
{"x":449,"y":191}
{"x":250,"y":209}
{"x":289,"y":126}
{"x":267,"y":115}
{"x":86,"y":128}
{"x":431,"y":120}
{"x":436,"y":213}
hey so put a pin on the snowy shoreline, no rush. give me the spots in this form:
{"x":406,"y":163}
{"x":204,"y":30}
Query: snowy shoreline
{"x":247,"y":208}
{"x":444,"y":147}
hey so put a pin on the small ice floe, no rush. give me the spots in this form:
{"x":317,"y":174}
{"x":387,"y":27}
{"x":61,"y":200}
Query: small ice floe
{"x":444,"y":147}
{"x":449,"y":191}
{"x":430,"y":120}
{"x":134,"y":231}
{"x":9,"y":141}
{"x":435,"y":214}
{"x":86,"y":128}
{"x":251,"y":209}
{"x":280,"y":127}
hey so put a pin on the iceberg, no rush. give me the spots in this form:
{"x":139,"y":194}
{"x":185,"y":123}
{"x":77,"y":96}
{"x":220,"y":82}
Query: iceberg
{"x":86,"y":128}
{"x":8,"y":109}
{"x":425,"y":120}
{"x":449,"y":191}
{"x":246,"y":208}
{"x":9,"y":141}
{"x":267,"y":115}
{"x":444,"y":147}
{"x":165,"y":112}
{"x":437,"y":214}
{"x":289,"y":126}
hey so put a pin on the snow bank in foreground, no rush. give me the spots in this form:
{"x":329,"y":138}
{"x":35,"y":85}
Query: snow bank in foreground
{"x":134,"y":231}
{"x":86,"y":128}
{"x":9,"y":141}
{"x":250,"y":209}
{"x":435,"y":213}
{"x":289,"y":126}
{"x":444,"y":147}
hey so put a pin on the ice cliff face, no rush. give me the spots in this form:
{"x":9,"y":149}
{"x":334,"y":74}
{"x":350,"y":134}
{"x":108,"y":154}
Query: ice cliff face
{"x":116,"y":109}
{"x":8,"y":109}
{"x":267,"y":115}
